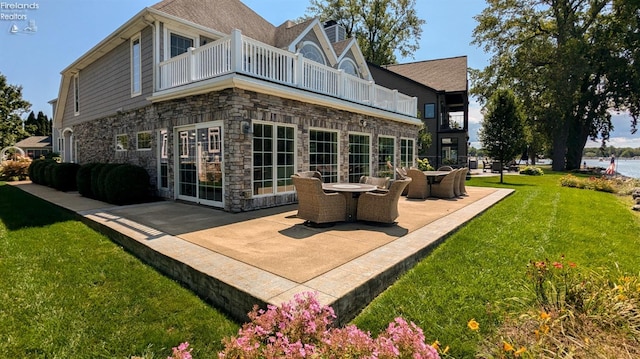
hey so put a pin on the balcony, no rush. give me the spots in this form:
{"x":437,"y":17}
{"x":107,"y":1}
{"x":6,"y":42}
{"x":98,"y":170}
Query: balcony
{"x":237,"y":53}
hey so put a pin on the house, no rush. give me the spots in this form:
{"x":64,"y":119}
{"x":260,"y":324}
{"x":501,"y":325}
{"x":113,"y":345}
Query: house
{"x":35,"y":146}
{"x":441,"y":87}
{"x":221,"y":107}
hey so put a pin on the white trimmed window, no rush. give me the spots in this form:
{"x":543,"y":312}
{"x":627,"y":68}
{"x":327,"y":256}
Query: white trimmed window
{"x":136,"y":66}
{"x":406,"y":152}
{"x":179,"y":44}
{"x":386,"y":156}
{"x":359,"y":156}
{"x":143,"y":141}
{"x":122,"y":143}
{"x":323,"y":154}
{"x":163,"y":159}
{"x":312,"y":52}
{"x":274,"y":153}
{"x":349,"y":67}
{"x":76,"y":94}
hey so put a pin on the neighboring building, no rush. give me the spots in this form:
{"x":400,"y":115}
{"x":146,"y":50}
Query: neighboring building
{"x":35,"y":146}
{"x":441,"y":87}
{"x":221,"y":107}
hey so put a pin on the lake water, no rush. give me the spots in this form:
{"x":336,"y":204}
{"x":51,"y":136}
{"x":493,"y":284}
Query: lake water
{"x":629,"y":168}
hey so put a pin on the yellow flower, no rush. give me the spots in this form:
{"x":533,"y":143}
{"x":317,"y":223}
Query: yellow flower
{"x":446,"y":350}
{"x":545,"y":329}
{"x":436,"y":345}
{"x":520,"y":351}
{"x":473,"y":325}
{"x":507,"y":347}
{"x":544,"y":315}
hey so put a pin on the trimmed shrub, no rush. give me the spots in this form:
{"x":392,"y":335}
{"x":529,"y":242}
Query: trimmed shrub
{"x":83,"y":179}
{"x":101,"y":189}
{"x":47,"y":173}
{"x":532,"y":171}
{"x":95,"y":173}
{"x":35,"y":171}
{"x":64,"y":176}
{"x":126,"y":184}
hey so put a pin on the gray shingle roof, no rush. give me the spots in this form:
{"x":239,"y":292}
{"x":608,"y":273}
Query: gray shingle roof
{"x":289,"y":31}
{"x":35,"y":142}
{"x":221,"y":15}
{"x":442,"y":74}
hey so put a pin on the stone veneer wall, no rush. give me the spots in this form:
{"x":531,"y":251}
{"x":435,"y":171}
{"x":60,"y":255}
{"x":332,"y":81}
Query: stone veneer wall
{"x":95,"y":140}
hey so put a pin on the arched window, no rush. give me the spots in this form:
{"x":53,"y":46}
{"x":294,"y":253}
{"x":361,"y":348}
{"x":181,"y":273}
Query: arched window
{"x":349,"y":67}
{"x":312,"y":52}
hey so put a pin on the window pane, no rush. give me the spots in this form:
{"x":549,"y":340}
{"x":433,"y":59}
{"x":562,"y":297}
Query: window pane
{"x":135,"y":67}
{"x":359,"y":157}
{"x":386,"y":157}
{"x":323,"y":155}
{"x":179,"y":44}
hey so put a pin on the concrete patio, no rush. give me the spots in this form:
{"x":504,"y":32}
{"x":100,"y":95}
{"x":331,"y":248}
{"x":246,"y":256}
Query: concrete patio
{"x":265,"y":257}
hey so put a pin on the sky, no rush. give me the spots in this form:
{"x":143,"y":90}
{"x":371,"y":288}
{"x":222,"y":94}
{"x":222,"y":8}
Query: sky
{"x":66,"y":29}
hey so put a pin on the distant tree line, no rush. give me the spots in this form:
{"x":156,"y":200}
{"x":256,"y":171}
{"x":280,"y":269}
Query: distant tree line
{"x":622,"y":152}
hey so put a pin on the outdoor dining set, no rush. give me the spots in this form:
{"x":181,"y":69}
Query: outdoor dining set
{"x":373,"y":199}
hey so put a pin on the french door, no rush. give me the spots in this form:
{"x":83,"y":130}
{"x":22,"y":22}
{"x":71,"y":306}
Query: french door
{"x":200,"y":164}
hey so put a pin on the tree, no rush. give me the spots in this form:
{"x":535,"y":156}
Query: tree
{"x":381,"y":27}
{"x":12,"y":106}
{"x":44,"y":125}
{"x":31,"y":124}
{"x":570,"y":61}
{"x":502,"y":133}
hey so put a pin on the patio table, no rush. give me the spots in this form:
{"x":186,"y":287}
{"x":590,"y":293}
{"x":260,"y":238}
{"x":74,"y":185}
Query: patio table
{"x":351,"y":192}
{"x":433,"y":175}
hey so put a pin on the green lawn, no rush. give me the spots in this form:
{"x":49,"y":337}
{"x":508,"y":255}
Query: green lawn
{"x":475,"y":272}
{"x":66,"y":291}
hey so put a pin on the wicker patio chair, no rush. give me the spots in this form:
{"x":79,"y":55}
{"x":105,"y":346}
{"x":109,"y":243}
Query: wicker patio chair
{"x":308,"y":174}
{"x":314,"y":205}
{"x":381,"y":182}
{"x":419,"y":186}
{"x":381,"y":207}
{"x":401,"y":173}
{"x":456,"y":183}
{"x":444,"y":188}
{"x":463,"y":177}
{"x":445,"y":168}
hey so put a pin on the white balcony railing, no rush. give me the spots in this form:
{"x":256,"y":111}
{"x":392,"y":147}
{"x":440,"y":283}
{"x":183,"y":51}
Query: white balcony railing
{"x":240,"y":54}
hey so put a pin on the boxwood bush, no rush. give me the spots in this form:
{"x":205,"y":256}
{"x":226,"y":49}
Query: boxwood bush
{"x":100,"y":188}
{"x":127,"y":184}
{"x":47,"y":173}
{"x":83,"y":179}
{"x":64,"y":176}
{"x":36,"y":171}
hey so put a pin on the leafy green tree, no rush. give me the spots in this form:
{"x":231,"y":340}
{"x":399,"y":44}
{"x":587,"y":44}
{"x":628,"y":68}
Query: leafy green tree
{"x":381,"y":27}
{"x":44,"y":125}
{"x":424,"y":140}
{"x":31,"y":124}
{"x":570,"y":61}
{"x":12,"y":106}
{"x":502,"y":133}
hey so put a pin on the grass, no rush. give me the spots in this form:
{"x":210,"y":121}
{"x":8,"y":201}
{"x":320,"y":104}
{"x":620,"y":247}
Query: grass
{"x":475,"y":272}
{"x":69,"y":292}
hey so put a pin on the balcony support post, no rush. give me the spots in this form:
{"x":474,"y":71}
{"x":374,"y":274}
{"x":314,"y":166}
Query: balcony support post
{"x":236,"y":50}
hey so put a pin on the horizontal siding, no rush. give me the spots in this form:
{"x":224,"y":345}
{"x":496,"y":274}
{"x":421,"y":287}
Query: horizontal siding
{"x":105,"y":85}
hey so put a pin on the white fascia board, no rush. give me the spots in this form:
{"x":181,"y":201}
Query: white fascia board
{"x":275,"y":89}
